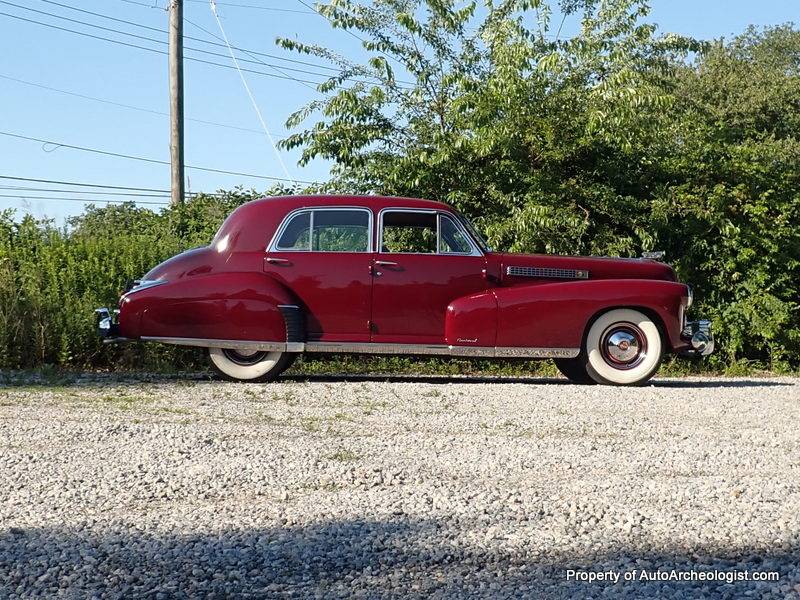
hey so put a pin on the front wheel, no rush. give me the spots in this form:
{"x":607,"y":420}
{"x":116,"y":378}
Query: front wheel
{"x":622,"y":347}
{"x":249,"y":365}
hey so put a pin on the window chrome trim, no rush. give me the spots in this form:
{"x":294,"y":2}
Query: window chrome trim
{"x":273,"y":244}
{"x":475,"y":250}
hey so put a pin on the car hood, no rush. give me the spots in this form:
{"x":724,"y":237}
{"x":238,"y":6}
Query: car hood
{"x":595,"y":267}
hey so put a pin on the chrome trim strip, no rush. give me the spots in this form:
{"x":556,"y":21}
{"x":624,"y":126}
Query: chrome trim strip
{"x":510,"y":352}
{"x":372,"y":348}
{"x":377,"y":348}
{"x":547,"y":272}
{"x":273,"y":243}
{"x":229,"y":344}
{"x":482,"y":351}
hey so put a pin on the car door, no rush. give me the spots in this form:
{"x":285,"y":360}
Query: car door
{"x":324,"y":256}
{"x":424,"y":261}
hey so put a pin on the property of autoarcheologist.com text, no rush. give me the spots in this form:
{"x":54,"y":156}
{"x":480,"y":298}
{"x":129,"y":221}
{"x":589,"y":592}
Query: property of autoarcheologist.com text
{"x":613,"y":577}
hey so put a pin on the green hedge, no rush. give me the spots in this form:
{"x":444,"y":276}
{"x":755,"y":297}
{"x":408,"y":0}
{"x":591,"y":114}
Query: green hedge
{"x":52,"y":278}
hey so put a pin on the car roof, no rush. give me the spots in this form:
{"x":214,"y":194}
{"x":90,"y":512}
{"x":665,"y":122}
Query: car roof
{"x":373,"y":202}
{"x":247,"y":225}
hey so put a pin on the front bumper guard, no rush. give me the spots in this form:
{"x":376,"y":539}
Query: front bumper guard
{"x":699,"y":335}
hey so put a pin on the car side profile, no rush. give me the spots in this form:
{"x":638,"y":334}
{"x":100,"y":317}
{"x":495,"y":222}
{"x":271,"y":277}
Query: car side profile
{"x":383,"y":275}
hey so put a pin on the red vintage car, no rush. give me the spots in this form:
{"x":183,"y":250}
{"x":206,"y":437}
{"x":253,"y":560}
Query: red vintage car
{"x":380,"y":275}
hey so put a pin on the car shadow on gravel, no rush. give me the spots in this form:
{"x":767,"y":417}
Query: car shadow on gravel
{"x":477,"y":379}
{"x":361,"y":558}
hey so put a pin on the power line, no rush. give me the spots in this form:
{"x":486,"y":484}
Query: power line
{"x":160,"y":192}
{"x":274,"y":68}
{"x":272,"y":8}
{"x":153,"y":40}
{"x":83,"y":184}
{"x":148,"y":160}
{"x":26,"y":197}
{"x":196,"y":39}
{"x":249,"y":93}
{"x":128,"y":106}
{"x":120,"y":42}
{"x":92,"y":192}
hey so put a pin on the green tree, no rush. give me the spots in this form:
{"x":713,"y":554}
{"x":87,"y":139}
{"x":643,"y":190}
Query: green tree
{"x":610,"y":142}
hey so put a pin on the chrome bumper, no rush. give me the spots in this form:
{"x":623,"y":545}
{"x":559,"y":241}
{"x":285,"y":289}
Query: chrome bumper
{"x":107,"y":325}
{"x":698,"y":334}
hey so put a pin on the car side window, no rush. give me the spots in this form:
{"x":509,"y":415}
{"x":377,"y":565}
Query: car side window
{"x":345,"y":230}
{"x":409,"y":232}
{"x":296,"y":235}
{"x":340,"y":231}
{"x":451,"y":238}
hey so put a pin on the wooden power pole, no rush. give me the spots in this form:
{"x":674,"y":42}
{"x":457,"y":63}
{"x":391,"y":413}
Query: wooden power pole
{"x":176,"y":99}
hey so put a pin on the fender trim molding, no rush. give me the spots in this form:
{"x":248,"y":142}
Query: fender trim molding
{"x":373,"y":348}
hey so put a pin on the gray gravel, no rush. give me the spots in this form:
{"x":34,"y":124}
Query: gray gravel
{"x":407,"y":488}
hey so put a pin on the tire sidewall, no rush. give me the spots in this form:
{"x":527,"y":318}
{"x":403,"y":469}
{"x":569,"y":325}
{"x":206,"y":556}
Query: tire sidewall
{"x":600,"y":370}
{"x":263,"y":370}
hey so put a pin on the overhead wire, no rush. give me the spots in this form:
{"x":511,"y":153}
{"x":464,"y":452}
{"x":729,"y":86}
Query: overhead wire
{"x":156,"y":41}
{"x":154,"y":50}
{"x":83,"y":184}
{"x":271,"y":8}
{"x":27,"y":197}
{"x":90,"y":192}
{"x":128,"y":106}
{"x":188,"y":37}
{"x":57,"y":145}
{"x":249,"y":93}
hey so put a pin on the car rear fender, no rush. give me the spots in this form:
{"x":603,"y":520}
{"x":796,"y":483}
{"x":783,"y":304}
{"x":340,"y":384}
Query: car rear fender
{"x":223,"y":306}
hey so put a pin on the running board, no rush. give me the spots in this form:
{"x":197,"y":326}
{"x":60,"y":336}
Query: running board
{"x":373,"y":348}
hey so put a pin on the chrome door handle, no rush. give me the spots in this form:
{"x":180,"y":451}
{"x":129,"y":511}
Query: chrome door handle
{"x":386,"y":263}
{"x":278,"y":261}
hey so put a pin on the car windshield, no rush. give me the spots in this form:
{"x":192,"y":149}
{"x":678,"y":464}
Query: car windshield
{"x":474,"y":233}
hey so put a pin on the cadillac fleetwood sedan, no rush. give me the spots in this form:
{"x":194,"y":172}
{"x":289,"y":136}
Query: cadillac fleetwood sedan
{"x":380,"y":275}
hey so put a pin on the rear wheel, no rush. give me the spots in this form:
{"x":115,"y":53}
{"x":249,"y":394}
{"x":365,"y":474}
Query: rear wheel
{"x":622,"y":347}
{"x":249,"y":365}
{"x":574,"y":370}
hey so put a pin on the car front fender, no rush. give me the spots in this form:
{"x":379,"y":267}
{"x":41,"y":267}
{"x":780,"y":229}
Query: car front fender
{"x":555,"y":315}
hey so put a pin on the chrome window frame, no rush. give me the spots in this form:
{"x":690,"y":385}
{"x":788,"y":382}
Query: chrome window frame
{"x":430,"y":211}
{"x":273,"y":244}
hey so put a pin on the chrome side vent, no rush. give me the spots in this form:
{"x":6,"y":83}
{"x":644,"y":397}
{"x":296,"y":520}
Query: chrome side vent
{"x":547,"y":273}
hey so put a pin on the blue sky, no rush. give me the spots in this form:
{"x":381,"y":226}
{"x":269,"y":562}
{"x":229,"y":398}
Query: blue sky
{"x":90,"y":67}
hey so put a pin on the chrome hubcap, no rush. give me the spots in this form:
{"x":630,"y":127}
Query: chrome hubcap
{"x":623,"y":346}
{"x":244,"y":357}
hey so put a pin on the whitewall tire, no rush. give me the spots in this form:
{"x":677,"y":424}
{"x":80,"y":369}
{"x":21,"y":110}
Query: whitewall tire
{"x":622,"y":347}
{"x":253,"y":366}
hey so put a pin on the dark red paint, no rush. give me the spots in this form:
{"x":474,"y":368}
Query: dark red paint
{"x":232,"y":288}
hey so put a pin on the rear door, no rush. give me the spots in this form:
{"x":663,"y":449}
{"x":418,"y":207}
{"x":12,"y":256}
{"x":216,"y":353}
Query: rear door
{"x":424,"y":261}
{"x":324,"y":256}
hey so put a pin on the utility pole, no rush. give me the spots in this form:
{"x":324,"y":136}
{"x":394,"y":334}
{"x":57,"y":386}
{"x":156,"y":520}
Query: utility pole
{"x":176,"y":100}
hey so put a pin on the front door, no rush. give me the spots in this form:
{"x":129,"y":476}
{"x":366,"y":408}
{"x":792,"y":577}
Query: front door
{"x":424,"y":261}
{"x":323,"y":255}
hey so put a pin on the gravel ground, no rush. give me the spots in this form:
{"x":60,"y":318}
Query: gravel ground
{"x":407,"y":487}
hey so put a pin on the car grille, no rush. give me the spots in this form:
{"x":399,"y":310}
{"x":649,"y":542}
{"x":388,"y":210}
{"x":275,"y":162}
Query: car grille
{"x":546,"y":272}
